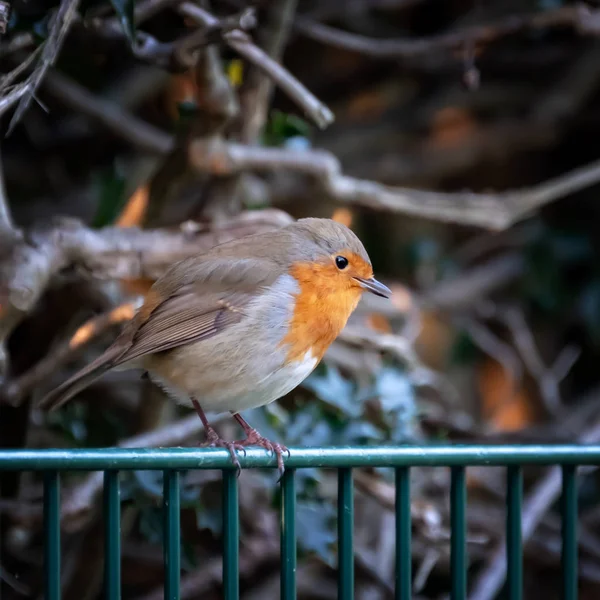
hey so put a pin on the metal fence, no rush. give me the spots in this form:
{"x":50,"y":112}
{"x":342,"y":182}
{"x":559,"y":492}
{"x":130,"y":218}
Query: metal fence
{"x":173,"y":460}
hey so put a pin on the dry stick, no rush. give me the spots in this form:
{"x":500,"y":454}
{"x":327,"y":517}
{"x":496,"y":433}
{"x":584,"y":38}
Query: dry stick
{"x":548,"y":377}
{"x":67,"y":11}
{"x":578,"y":16}
{"x":259,"y":90}
{"x":494,"y":211}
{"x":536,"y":505}
{"x":16,"y":390}
{"x":109,"y":114}
{"x":242,"y":44}
{"x":6,"y":223}
{"x":18,"y":91}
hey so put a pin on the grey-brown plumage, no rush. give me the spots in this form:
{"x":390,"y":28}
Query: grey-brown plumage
{"x":213,"y":324}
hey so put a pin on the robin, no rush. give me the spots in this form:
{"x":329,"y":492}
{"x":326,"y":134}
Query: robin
{"x":243,"y":324}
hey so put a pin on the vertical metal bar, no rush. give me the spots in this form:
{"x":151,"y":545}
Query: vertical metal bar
{"x":231,"y":536}
{"x":112,"y":536}
{"x":569,"y":534}
{"x":458,"y":541}
{"x":52,"y":535}
{"x":403,"y":535}
{"x":345,"y":535}
{"x":514,"y":550}
{"x":288,"y":535}
{"x":172,"y":533}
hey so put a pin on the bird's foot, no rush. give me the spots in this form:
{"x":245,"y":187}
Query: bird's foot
{"x":255,"y":439}
{"x":213,"y":440}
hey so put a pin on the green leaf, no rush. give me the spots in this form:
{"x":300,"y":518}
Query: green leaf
{"x":283,"y":126}
{"x":111,"y":192}
{"x":335,"y":391}
{"x":124,"y":10}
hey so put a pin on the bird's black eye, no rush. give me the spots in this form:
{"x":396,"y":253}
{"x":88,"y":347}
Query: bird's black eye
{"x":341,"y":262}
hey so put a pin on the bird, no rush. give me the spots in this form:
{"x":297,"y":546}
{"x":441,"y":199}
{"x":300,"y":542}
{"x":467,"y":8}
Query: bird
{"x":242,"y":324}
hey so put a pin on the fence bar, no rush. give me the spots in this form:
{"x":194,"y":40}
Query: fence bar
{"x":52,"y":535}
{"x":231,"y":536}
{"x":569,"y":534}
{"x":458,"y":541}
{"x":403,"y":535}
{"x":172,"y":536}
{"x":345,"y":535}
{"x":514,"y":550}
{"x":446,"y":455}
{"x":288,"y":535}
{"x":112,"y":536}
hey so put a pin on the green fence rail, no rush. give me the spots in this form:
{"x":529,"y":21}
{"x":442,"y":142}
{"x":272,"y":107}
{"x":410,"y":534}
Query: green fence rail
{"x":173,"y":460}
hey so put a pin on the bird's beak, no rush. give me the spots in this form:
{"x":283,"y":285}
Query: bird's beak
{"x":374,"y":286}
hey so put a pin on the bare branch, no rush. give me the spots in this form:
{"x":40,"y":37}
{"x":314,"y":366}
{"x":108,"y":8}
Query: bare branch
{"x":9,"y":100}
{"x":257,"y":96}
{"x":6,"y":223}
{"x":494,"y":347}
{"x":494,"y":211}
{"x":111,"y":115}
{"x":64,"y":17}
{"x":242,"y":43}
{"x":579,"y":16}
{"x":548,"y":378}
{"x":467,"y":288}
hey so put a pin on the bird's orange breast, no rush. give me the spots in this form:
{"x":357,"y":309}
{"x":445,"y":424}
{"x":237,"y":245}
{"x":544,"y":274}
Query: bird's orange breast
{"x":323,"y":305}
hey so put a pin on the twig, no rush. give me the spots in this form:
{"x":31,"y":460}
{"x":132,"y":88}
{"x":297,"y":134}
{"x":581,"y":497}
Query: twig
{"x":6,"y":223}
{"x":548,"y":378}
{"x":259,"y":89}
{"x":14,"y":583}
{"x":211,"y":34}
{"x":537,"y":504}
{"x":242,"y":43}
{"x":472,"y":285}
{"x":494,"y":211}
{"x":17,"y":389}
{"x":578,"y":16}
{"x":6,"y":80}
{"x":18,"y":91}
{"x":495,"y":347}
{"x":64,"y":17}
{"x":111,"y":115}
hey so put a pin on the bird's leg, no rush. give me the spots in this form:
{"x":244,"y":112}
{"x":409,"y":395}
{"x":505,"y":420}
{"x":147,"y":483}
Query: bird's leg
{"x":253,"y":438}
{"x":213,"y":440}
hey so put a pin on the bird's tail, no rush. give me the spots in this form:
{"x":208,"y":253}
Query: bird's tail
{"x":82,"y":379}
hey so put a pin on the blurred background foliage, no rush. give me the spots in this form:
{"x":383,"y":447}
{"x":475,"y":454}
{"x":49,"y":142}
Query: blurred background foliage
{"x":490,"y":335}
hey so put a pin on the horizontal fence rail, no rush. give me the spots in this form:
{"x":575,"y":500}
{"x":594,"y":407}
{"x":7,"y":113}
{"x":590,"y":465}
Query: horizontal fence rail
{"x":174,"y":460}
{"x":442,"y":455}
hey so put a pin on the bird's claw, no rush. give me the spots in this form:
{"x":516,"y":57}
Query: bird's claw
{"x":255,"y":439}
{"x":214,"y":441}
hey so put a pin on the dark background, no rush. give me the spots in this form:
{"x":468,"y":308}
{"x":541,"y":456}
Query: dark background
{"x":480,"y":122}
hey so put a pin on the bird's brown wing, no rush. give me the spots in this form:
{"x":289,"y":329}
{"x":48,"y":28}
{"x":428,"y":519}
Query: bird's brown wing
{"x":191,"y":302}
{"x":186,"y":317}
{"x":196,"y":299}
